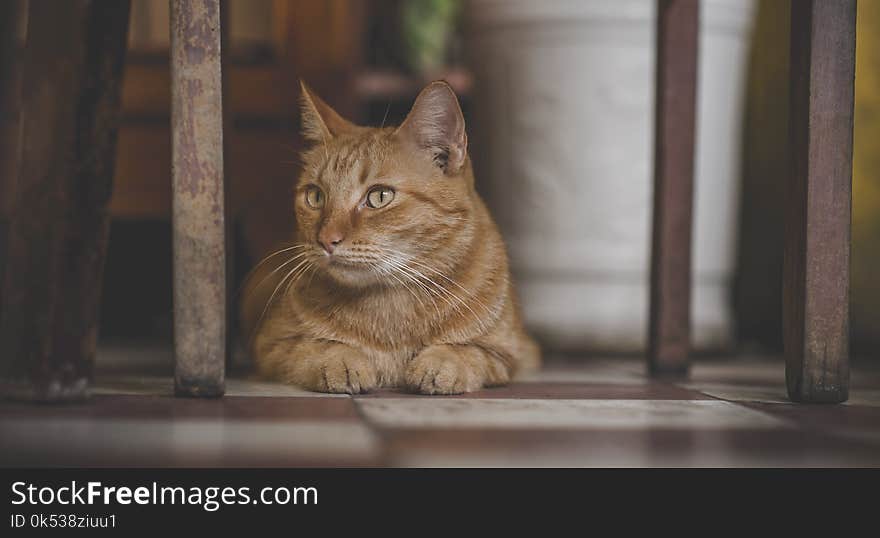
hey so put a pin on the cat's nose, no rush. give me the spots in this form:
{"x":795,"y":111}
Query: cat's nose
{"x":330,"y":239}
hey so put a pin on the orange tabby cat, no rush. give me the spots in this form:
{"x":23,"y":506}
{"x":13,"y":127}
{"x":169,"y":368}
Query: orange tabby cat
{"x":397,"y":276}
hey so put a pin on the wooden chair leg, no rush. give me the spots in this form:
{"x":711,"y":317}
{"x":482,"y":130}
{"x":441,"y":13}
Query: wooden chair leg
{"x":669,"y":331}
{"x":59,"y":225}
{"x":198,"y":210}
{"x":817,"y":220}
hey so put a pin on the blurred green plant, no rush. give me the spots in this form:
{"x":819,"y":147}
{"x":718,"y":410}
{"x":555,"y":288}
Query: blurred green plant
{"x":427,"y":27}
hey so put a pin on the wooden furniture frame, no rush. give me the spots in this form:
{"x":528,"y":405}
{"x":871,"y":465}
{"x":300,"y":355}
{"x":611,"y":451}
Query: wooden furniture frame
{"x":58,"y":233}
{"x":817,"y":212}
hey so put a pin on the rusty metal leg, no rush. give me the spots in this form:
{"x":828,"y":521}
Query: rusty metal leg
{"x":198,"y":199}
{"x":669,"y":330}
{"x":58,"y":229}
{"x":817,"y":219}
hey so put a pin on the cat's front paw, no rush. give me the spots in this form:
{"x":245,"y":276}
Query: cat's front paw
{"x":443,"y":370}
{"x":344,"y":372}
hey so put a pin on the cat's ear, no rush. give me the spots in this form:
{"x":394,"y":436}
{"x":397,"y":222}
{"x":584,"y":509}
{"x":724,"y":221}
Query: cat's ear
{"x":436,"y":125}
{"x":319,"y":121}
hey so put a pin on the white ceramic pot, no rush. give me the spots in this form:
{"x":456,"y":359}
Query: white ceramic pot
{"x":562,"y":141}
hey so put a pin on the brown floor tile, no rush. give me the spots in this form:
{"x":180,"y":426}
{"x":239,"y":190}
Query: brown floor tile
{"x":566,"y":391}
{"x":145,"y":431}
{"x":848,"y":420}
{"x":769,"y":371}
{"x":113,"y":443}
{"x":169,"y":407}
{"x":775,"y":394}
{"x":549,"y":414}
{"x":616,"y":448}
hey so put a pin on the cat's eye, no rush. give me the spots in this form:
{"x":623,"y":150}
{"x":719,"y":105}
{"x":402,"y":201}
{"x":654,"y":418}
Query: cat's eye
{"x":314,"y":197}
{"x":379,"y":197}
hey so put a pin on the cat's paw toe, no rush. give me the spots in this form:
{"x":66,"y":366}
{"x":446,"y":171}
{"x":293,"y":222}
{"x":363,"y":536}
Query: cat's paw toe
{"x":351,"y":375}
{"x":441,"y":371}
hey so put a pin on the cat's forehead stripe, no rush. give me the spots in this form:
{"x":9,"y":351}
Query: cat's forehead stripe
{"x":352,"y":158}
{"x":365,"y":173}
{"x":319,"y":172}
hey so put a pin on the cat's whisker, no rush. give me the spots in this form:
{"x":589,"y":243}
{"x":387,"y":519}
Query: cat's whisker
{"x":272,"y":297}
{"x":407,"y":272}
{"x":297,"y":277}
{"x":449,"y":293}
{"x":391,"y":274}
{"x":419,"y":278}
{"x":454,"y":283}
{"x":410,"y":259}
{"x":385,"y":117}
{"x":269,"y":257}
{"x":272,"y":255}
{"x":286,"y":262}
{"x":416,"y":277}
{"x":312,"y":275}
{"x":421,"y":285}
{"x":445,"y":290}
{"x":383,"y":271}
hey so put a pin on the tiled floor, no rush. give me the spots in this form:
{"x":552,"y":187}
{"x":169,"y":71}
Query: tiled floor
{"x":592,"y":413}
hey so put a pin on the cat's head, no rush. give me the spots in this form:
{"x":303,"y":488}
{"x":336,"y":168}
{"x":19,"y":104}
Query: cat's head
{"x":385,"y":205}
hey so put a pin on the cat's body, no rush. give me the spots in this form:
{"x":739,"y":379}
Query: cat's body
{"x":398,"y":276}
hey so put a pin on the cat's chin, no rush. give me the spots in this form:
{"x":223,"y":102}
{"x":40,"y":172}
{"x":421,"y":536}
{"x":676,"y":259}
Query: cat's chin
{"x":350,"y":274}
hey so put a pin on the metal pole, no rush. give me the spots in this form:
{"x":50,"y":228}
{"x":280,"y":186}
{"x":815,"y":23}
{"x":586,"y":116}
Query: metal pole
{"x":198,"y":199}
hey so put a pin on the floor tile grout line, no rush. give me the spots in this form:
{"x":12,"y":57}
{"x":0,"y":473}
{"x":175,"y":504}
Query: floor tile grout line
{"x":382,"y":434}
